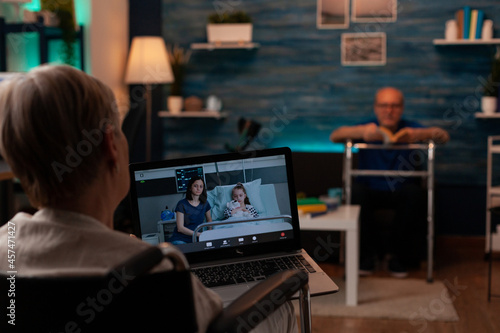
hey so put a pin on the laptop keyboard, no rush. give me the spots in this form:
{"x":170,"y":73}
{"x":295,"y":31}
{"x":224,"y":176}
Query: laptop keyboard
{"x":249,"y":271}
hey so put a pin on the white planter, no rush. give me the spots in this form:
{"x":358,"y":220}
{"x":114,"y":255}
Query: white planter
{"x":489,"y":104}
{"x":229,"y":33}
{"x":174,"y":104}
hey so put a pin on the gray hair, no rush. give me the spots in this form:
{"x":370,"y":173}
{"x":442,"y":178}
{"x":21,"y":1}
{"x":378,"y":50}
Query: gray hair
{"x":51,"y":129}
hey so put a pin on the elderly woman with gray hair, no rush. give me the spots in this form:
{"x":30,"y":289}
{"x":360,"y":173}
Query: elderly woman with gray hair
{"x":60,"y":133}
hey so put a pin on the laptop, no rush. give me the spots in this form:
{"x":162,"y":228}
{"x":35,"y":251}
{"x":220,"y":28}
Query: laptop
{"x":269,"y":237}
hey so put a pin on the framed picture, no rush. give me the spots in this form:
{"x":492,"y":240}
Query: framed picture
{"x":332,"y":14}
{"x":363,"y":49}
{"x":374,"y":10}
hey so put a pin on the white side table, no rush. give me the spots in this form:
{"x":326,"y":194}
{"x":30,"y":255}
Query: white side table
{"x":345,"y":218}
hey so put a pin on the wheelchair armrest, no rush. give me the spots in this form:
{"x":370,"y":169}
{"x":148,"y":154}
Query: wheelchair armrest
{"x":251,"y":308}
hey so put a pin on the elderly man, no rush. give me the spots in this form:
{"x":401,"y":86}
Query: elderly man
{"x":402,"y":195}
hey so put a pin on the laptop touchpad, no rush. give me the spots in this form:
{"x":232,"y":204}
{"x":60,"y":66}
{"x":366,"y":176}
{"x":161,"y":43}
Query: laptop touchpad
{"x":230,"y":293}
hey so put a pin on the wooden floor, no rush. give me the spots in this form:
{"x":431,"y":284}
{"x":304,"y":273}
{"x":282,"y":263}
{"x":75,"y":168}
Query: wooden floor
{"x":457,"y":259}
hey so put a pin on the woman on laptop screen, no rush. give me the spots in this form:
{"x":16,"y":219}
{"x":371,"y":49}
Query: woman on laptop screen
{"x":191,"y":211}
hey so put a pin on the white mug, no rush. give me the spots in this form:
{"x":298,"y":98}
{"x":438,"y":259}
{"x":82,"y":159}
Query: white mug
{"x":451,"y":31}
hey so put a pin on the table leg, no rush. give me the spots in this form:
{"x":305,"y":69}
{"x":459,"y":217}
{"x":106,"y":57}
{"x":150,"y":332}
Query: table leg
{"x":352,"y":266}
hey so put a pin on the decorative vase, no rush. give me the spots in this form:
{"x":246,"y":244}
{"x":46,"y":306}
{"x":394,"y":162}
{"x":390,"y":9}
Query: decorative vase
{"x":213,"y":103}
{"x":487,"y":30}
{"x":489,"y":104}
{"x":229,"y":32}
{"x":174,"y":104}
{"x":451,"y":31}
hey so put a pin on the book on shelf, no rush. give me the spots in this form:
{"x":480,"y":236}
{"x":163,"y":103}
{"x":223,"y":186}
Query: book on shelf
{"x":466,"y":28}
{"x":469,"y":23}
{"x":459,"y":17}
{"x":479,"y":25}
{"x":473,"y":24}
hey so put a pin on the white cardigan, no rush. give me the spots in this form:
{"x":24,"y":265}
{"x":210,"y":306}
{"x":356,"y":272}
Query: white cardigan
{"x":55,"y":242}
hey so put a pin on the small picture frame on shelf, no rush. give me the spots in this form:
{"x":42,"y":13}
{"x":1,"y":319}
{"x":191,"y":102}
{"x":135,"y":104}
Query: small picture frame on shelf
{"x":374,"y":10}
{"x":332,"y":14}
{"x":363,"y":49}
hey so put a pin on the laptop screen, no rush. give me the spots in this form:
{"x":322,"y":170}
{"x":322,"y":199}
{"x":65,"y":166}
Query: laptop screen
{"x":249,"y":206}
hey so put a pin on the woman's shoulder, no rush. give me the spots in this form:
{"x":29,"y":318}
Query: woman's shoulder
{"x":182,"y":205}
{"x":183,"y":201}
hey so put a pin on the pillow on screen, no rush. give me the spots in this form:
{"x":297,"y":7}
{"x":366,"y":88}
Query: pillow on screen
{"x":221,"y":195}
{"x":215,"y":209}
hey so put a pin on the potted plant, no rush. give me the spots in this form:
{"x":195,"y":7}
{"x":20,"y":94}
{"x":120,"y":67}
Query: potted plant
{"x":489,"y":101}
{"x":67,"y":26}
{"x":178,"y":59}
{"x":234,"y":27}
{"x":65,"y":14}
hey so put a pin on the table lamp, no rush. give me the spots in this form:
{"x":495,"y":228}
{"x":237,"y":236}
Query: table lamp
{"x":148,"y":64}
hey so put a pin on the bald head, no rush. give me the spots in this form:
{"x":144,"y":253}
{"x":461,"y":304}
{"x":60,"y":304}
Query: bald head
{"x":388,"y":106}
{"x":394,"y":93}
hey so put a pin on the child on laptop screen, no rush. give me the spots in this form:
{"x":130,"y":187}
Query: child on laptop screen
{"x":191,"y":211}
{"x":240,"y":205}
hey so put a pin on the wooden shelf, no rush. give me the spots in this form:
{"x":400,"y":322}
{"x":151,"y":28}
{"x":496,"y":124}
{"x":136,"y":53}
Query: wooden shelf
{"x":486,"y":115}
{"x":193,"y":114}
{"x":223,"y":46}
{"x":45,"y":34}
{"x":494,"y":41}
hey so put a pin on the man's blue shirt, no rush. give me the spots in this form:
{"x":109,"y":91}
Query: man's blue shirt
{"x":388,"y":159}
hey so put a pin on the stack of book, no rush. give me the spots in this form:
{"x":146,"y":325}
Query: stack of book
{"x":469,"y":22}
{"x":312,"y":206}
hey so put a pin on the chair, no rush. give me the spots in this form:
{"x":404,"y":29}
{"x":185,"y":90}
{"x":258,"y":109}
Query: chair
{"x":492,"y":206}
{"x":128,"y":300}
{"x":496,"y":211}
{"x":132,"y":125}
{"x":349,"y":172}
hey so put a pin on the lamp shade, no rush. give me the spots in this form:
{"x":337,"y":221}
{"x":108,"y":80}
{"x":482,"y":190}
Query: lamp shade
{"x":148,"y":62}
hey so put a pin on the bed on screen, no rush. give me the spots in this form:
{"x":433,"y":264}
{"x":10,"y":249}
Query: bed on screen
{"x":262,"y":197}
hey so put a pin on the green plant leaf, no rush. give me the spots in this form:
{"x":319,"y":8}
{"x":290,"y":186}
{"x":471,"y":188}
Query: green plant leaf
{"x":229,"y":17}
